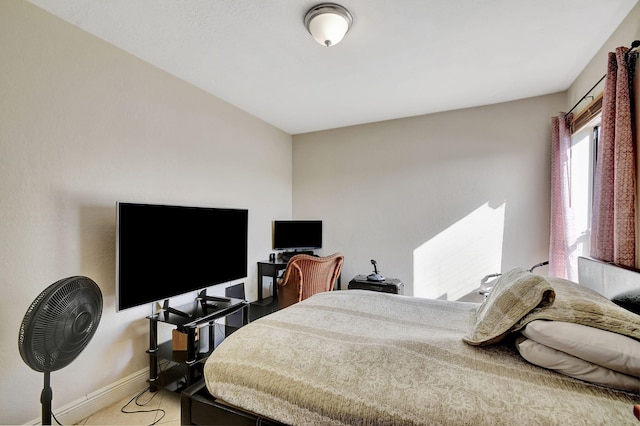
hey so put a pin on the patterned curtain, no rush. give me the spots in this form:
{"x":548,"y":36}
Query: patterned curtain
{"x":562,"y":262}
{"x":613,"y":217}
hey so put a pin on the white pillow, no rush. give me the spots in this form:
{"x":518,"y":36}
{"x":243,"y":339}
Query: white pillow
{"x":611,"y":350}
{"x":566,"y":364}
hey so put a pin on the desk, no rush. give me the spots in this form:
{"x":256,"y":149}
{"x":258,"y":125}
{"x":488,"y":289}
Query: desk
{"x":270,"y":269}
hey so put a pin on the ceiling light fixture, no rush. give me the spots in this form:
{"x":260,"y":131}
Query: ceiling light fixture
{"x":328,"y":23}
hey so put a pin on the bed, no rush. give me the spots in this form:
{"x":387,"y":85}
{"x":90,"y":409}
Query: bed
{"x":360,"y":357}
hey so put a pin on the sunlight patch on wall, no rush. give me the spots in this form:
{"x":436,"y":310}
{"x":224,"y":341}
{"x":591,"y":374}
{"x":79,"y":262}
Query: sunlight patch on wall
{"x":451,"y":264}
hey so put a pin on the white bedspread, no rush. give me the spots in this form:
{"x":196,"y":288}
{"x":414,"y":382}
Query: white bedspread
{"x":359,"y":357}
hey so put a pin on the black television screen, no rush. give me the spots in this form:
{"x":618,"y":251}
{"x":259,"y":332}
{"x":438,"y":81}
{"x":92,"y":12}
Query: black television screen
{"x":164,"y":251}
{"x":297,"y":234}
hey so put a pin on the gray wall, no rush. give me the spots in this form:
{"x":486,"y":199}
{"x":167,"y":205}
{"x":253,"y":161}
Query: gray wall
{"x":438,"y":200}
{"x":84,"y":124}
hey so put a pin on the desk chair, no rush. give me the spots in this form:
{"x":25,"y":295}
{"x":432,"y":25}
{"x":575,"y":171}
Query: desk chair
{"x":307,"y":275}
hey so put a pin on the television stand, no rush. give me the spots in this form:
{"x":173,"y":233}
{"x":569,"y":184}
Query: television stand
{"x":167,"y":308}
{"x":188,"y":364}
{"x":203,"y":297}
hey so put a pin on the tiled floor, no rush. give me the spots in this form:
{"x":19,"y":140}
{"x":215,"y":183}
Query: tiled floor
{"x":161,"y":408}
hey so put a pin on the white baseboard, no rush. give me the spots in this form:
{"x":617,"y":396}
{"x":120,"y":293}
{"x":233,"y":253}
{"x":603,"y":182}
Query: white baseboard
{"x":96,"y":401}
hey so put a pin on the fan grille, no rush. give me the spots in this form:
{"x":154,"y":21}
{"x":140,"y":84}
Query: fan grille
{"x":60,"y":323}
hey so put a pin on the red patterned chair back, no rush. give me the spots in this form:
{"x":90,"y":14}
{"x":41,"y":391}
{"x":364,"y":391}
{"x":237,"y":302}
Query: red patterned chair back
{"x":307,"y":275}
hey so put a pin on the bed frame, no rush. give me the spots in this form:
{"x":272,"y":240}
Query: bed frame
{"x":607,"y":279}
{"x":199,"y":407}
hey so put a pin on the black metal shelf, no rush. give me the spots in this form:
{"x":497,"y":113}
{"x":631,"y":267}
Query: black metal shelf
{"x":189,"y":363}
{"x":173,"y":379}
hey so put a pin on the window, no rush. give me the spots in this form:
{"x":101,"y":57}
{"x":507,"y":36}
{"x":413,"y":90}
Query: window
{"x":582,"y":160}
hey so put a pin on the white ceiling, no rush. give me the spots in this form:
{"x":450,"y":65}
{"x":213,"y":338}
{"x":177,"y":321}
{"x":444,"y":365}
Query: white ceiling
{"x":401,"y":58}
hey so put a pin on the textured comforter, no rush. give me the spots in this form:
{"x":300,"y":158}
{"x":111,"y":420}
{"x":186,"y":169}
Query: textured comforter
{"x":358,"y":357}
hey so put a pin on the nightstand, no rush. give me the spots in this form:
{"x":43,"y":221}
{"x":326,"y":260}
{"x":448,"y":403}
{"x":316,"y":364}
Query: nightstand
{"x":389,"y":285}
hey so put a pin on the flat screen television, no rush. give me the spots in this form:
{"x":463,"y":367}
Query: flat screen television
{"x":297,"y":234}
{"x":164,"y":251}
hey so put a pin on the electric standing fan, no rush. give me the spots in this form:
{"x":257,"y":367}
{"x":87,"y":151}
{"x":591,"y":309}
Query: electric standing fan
{"x":57,"y":327}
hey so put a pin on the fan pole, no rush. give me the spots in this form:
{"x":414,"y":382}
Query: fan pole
{"x":45,"y":398}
